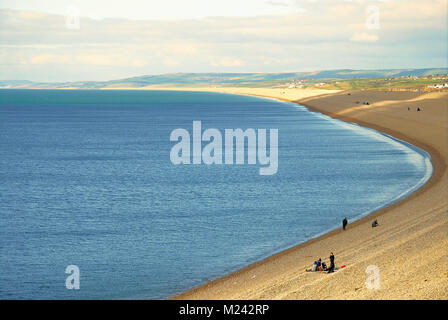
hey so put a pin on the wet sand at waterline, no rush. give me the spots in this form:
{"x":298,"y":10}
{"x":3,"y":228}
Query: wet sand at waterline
{"x":410,"y":246}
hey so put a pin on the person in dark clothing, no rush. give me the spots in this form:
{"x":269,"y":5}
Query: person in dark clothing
{"x":331,"y":268}
{"x":319,"y":264}
{"x":344,"y":223}
{"x":324,"y":266}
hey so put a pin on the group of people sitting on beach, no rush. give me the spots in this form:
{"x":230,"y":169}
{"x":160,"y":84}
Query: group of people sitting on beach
{"x":320,"y":265}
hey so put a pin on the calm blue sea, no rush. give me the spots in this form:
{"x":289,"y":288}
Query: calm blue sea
{"x":86,"y":180}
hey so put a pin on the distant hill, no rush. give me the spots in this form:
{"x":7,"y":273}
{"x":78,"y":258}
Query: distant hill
{"x":228,"y":79}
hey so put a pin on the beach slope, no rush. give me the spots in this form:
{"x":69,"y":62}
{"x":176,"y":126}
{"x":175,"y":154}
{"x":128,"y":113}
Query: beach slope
{"x":410,"y":247}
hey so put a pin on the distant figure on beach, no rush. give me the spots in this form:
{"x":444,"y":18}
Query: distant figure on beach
{"x":375,"y":223}
{"x":418,"y":109}
{"x":409,"y":109}
{"x":344,"y":223}
{"x":316,"y":265}
{"x":331,"y":268}
{"x":324,"y":266}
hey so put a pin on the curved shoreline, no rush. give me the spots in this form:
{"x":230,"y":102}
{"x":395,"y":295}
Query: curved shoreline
{"x":438,"y":167}
{"x":429,"y":170}
{"x":437,"y":161}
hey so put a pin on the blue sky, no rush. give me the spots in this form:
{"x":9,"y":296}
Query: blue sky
{"x":43,"y":41}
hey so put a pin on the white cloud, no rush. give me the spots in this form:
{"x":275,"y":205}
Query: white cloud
{"x":170,"y":62}
{"x":156,"y":9}
{"x":49,"y":59}
{"x":227,"y":62}
{"x":330,"y":35}
{"x":364,"y":37}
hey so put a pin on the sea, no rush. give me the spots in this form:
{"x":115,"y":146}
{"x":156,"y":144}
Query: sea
{"x":92,"y":207}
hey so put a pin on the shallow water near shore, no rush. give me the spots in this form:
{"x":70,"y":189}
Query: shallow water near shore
{"x":86,"y":179}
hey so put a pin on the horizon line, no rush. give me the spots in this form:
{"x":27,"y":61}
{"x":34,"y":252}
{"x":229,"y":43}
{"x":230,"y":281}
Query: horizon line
{"x":224,"y":73}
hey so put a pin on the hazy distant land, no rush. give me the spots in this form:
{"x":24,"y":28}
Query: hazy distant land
{"x":344,"y":79}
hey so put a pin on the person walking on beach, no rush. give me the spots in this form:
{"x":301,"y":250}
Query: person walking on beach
{"x":331,"y":268}
{"x":344,"y":223}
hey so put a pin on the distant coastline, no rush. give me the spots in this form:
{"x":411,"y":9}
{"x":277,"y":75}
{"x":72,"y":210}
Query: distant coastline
{"x":340,"y":79}
{"x":222,"y":288}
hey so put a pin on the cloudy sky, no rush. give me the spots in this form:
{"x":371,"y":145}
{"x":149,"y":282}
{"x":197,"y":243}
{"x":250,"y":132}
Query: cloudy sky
{"x":58,"y":40}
